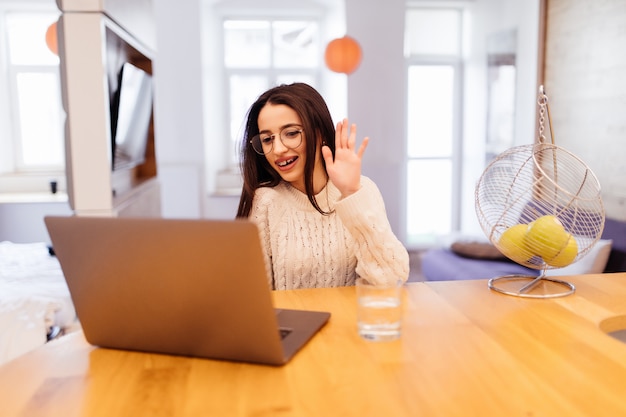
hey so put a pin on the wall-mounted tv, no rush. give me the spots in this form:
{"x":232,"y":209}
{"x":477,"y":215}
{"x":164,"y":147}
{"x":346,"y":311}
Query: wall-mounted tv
{"x":131,"y":114}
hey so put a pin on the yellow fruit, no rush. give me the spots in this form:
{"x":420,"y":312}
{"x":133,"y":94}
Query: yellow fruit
{"x":566,"y":256}
{"x":512,"y":243}
{"x":546,"y":237}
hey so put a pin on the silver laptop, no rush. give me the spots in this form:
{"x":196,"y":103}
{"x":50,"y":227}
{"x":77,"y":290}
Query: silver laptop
{"x":185,"y":287}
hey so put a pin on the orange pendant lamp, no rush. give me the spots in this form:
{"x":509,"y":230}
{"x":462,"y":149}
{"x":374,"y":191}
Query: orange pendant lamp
{"x":52,"y":39}
{"x":343,"y":55}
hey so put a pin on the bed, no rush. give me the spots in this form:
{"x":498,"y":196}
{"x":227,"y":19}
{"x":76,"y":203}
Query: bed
{"x":35,"y":303}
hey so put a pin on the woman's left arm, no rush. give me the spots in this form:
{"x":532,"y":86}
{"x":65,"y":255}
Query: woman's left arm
{"x":380,"y":255}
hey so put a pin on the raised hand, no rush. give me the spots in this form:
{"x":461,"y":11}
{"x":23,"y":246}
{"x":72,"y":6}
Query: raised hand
{"x":345,"y":170}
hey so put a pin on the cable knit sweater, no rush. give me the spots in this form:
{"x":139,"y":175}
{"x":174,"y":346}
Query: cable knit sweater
{"x":305,"y":249}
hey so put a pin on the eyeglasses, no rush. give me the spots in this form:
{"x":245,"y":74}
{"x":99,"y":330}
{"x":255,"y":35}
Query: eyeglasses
{"x":290,"y":137}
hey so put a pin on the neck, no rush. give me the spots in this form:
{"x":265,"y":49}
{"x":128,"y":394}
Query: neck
{"x":319,"y":182}
{"x":320,"y":178}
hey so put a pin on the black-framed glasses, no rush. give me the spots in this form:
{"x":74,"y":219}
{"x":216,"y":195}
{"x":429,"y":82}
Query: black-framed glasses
{"x":291,"y":137}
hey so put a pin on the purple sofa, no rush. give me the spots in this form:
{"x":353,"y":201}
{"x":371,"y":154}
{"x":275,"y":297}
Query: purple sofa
{"x":446,"y":265}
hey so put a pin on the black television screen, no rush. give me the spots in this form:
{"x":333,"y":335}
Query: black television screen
{"x":131,"y":113}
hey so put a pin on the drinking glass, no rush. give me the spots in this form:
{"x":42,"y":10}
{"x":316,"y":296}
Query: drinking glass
{"x":379,"y":309}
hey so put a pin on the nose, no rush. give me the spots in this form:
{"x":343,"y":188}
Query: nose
{"x":279,"y":147}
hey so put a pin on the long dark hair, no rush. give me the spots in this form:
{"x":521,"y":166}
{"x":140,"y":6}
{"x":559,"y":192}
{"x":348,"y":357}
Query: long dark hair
{"x":318,"y":128}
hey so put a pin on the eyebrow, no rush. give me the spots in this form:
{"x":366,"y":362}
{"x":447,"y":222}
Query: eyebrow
{"x":282,"y":127}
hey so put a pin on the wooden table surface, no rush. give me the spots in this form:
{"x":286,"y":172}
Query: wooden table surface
{"x":465,"y":351}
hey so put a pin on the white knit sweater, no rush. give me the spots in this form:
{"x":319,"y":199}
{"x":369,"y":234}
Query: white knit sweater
{"x":305,"y":249}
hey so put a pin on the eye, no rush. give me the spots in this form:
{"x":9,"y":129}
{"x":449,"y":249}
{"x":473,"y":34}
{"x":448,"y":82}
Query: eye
{"x":292,"y":134}
{"x":266,"y":140}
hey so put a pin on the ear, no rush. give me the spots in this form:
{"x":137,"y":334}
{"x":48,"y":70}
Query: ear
{"x":321,"y":140}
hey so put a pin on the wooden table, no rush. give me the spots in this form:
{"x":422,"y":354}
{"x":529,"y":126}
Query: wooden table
{"x":465,"y":351}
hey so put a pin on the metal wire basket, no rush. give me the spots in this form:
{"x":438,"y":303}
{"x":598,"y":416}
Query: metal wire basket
{"x":540,"y":205}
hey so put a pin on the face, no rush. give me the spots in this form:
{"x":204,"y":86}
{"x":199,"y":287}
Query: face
{"x":289,"y":163}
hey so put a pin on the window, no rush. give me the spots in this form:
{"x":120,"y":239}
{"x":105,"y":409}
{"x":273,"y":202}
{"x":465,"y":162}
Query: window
{"x":260,"y":53}
{"x":433,"y":50}
{"x":33,"y":128}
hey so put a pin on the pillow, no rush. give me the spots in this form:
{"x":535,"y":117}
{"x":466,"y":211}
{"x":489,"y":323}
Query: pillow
{"x":476,"y":250}
{"x":593,"y":262}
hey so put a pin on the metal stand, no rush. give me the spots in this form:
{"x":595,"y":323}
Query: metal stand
{"x":533,"y":287}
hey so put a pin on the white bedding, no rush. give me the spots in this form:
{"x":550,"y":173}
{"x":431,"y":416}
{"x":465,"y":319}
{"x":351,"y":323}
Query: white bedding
{"x":33,"y":298}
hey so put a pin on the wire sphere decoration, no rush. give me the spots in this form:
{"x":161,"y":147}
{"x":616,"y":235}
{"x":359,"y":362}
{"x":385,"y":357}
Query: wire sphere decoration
{"x":541,"y":206}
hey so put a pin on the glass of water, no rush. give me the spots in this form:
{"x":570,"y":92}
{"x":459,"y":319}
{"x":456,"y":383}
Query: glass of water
{"x":379,"y":309}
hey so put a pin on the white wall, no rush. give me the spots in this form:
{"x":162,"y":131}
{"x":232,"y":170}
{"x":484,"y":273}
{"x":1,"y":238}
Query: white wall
{"x":178,"y":107}
{"x":376,"y":97}
{"x":585,"y":67}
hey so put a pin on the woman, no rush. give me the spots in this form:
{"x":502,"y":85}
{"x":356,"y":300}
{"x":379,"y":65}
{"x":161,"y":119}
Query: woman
{"x":320,"y":221}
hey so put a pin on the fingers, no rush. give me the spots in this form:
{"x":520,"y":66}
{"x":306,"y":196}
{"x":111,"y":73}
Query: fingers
{"x":352,"y":136}
{"x":362,"y":147}
{"x":327,"y":154}
{"x":345,"y":135}
{"x":341,"y":134}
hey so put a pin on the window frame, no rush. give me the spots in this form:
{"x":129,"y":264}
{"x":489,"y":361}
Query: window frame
{"x":456,"y":157}
{"x":15,"y":175}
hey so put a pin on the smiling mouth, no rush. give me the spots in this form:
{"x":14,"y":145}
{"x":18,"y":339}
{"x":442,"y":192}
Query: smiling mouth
{"x":286,"y":162}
